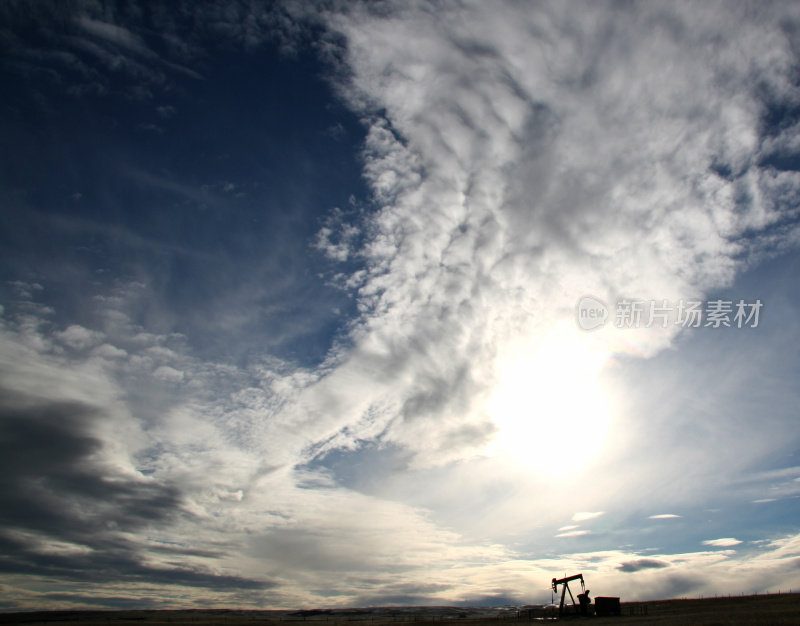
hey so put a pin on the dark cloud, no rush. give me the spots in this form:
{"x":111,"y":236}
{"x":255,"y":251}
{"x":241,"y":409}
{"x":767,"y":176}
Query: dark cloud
{"x":498,"y":599}
{"x":300,"y":548}
{"x":674,"y":586}
{"x":640,"y":564}
{"x":65,"y":512}
{"x":113,"y":602}
{"x":118,"y":563}
{"x":54,"y":481}
{"x":395,"y":600}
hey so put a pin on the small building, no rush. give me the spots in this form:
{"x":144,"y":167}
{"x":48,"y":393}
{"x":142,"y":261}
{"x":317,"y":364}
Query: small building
{"x":604,"y":605}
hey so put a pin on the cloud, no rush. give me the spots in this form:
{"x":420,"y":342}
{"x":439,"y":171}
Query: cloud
{"x":78,"y":337}
{"x":518,"y":158}
{"x":514,"y":172}
{"x":107,"y":351}
{"x":779,"y":484}
{"x":586,"y":515}
{"x":256,"y":532}
{"x":574,"y":533}
{"x":337,"y":239}
{"x":25,"y":290}
{"x":74,"y":500}
{"x":81,"y":48}
{"x":674,"y":586}
{"x":641,"y":564}
{"x":724,"y":542}
{"x":116,"y":35}
{"x":664,"y":516}
{"x":119,"y":487}
{"x":65,"y":499}
{"x":169,"y":374}
{"x":49,"y":445}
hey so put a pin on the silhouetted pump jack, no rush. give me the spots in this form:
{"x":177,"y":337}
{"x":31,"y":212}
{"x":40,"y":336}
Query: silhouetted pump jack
{"x":583,"y":598}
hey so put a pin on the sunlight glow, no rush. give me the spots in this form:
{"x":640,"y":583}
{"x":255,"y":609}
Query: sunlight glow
{"x":552,"y":413}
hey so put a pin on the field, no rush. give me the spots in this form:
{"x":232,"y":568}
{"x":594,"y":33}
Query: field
{"x":761,"y":609}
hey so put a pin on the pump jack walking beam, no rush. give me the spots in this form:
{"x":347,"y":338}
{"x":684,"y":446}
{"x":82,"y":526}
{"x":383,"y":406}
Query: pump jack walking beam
{"x":565,"y":582}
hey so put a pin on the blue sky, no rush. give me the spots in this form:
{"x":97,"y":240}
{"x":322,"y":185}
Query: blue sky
{"x":290,"y":302}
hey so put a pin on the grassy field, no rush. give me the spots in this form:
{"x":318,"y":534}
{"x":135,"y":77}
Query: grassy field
{"x":772,"y":609}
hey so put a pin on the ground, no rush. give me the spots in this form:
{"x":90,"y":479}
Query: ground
{"x":773,"y":609}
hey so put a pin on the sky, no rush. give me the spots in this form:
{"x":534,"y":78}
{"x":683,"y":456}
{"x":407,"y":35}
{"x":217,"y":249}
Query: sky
{"x":322,"y":304}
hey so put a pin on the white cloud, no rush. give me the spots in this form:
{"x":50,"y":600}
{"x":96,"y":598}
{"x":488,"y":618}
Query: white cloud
{"x":519,"y":166}
{"x":25,"y":290}
{"x":574,"y":533}
{"x":724,"y":542}
{"x":586,"y":515}
{"x":169,"y":374}
{"x":78,"y":337}
{"x":107,"y":351}
{"x":664,"y":516}
{"x":336,"y":239}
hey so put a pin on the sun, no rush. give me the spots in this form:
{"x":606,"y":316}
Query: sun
{"x":552,"y":413}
